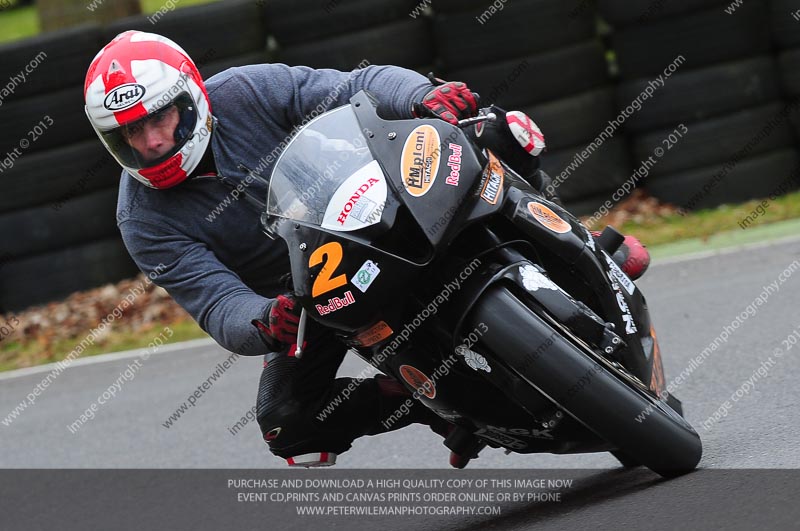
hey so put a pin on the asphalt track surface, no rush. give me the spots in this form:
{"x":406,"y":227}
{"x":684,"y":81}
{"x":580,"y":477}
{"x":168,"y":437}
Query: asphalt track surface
{"x":691,"y":301}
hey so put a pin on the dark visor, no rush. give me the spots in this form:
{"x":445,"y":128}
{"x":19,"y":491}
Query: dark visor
{"x":116,"y":141}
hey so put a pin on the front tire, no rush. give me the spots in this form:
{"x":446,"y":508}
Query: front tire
{"x":586,"y":386}
{"x":625,"y":461}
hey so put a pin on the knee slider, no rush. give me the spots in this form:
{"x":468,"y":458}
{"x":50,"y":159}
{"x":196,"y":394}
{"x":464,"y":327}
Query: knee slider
{"x":286,"y":429}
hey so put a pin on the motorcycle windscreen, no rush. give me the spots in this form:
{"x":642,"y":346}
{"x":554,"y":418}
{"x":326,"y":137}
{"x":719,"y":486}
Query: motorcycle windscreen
{"x":328,"y":177}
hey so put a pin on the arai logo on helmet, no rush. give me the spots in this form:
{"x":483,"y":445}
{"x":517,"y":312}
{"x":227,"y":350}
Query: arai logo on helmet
{"x":124,"y":96}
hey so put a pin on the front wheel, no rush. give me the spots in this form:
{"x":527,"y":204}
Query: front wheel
{"x":587,"y":387}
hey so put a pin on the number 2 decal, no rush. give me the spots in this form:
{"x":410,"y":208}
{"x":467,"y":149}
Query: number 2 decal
{"x":330,"y":255}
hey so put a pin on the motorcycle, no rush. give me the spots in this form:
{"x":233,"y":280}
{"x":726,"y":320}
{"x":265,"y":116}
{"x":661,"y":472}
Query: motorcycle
{"x":437,"y":263}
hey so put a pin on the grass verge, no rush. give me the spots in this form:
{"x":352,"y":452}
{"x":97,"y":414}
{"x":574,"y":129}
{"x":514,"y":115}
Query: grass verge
{"x":660,"y":230}
{"x":15,"y":355}
{"x":18,"y":23}
{"x":21,"y":22}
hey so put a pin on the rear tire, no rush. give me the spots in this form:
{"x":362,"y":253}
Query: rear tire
{"x":613,"y":407}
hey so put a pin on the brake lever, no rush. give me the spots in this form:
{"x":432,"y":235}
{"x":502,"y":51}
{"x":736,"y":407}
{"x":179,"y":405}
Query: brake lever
{"x":301,"y":334}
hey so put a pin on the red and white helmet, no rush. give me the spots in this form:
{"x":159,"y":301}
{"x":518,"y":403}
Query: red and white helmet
{"x":136,"y":76}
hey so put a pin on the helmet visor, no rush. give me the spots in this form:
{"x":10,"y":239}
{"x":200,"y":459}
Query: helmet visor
{"x":155,"y":138}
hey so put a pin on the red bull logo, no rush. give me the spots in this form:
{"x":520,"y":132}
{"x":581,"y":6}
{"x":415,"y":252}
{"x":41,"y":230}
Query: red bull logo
{"x":336,"y":303}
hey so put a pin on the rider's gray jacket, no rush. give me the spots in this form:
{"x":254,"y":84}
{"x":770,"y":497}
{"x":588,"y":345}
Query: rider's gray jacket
{"x":202,"y":243}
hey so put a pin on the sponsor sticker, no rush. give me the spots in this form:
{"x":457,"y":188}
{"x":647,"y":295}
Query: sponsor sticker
{"x":420,"y":160}
{"x":541,"y":434}
{"x":534,"y":280}
{"x":493,"y":185}
{"x":363,"y":207}
{"x":548,"y":218}
{"x":627,"y":317}
{"x":417,"y":379}
{"x":124,"y":97}
{"x":336,"y":303}
{"x":358,"y":205}
{"x":373,"y":335}
{"x":359,"y":200}
{"x":590,"y":240}
{"x":454,"y":163}
{"x":503,"y":439}
{"x":364,"y":276}
{"x":474,"y":360}
{"x":620,"y":275}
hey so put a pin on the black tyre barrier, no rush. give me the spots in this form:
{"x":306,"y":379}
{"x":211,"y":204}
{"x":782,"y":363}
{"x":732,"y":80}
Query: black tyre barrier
{"x":50,"y":276}
{"x":457,"y":6}
{"x":536,"y":78}
{"x":789,"y":64}
{"x":49,"y":61}
{"x":43,"y":122}
{"x":405,"y":43}
{"x":215,"y":67}
{"x":784,"y":18}
{"x":574,"y":119}
{"x":763,"y":129}
{"x":701,"y":94}
{"x":293,"y":22}
{"x":795,"y":121}
{"x":730,"y":182}
{"x":42,"y":229}
{"x":603,"y":171}
{"x":623,"y":12}
{"x":57,"y":176}
{"x":705,"y":37}
{"x":523,"y":27}
{"x":219,"y":29}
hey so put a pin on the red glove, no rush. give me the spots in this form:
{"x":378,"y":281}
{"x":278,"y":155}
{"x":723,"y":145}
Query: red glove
{"x":280,"y":323}
{"x":451,"y":101}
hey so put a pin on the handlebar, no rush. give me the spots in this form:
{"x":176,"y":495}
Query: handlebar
{"x":491,"y":117}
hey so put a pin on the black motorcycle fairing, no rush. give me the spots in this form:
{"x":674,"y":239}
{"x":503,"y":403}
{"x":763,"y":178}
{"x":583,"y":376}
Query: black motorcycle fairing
{"x":325,"y":272}
{"x":431,"y":174}
{"x":621,"y":302}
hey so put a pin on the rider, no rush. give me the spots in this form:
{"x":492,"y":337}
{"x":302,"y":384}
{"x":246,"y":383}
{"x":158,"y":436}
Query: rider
{"x":183,"y":166}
